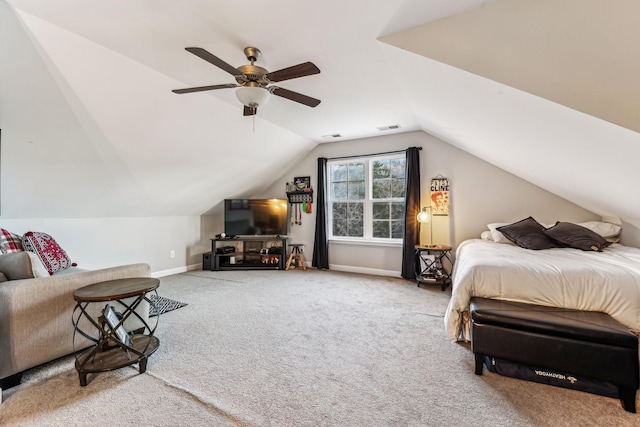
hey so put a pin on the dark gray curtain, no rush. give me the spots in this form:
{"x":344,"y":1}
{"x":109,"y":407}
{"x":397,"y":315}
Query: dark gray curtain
{"x":412,"y":207}
{"x":321,"y":242}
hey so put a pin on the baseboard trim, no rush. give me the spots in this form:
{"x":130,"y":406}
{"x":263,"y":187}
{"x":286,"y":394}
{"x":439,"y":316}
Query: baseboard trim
{"x":334,"y":267}
{"x":178,"y":270}
{"x":363,"y":270}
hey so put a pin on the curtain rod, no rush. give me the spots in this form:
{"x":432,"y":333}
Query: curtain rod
{"x":373,"y":154}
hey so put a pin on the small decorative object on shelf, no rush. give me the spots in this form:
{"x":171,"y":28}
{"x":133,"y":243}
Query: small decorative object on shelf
{"x":431,"y":266}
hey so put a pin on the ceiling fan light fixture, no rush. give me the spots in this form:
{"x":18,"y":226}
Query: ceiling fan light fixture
{"x":253,"y":82}
{"x":252,"y":96}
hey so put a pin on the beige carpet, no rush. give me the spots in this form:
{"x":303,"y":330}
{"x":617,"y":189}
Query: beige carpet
{"x":296,"y":348}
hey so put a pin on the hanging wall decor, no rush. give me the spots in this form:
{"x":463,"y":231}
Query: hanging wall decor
{"x":300,"y":195}
{"x":440,"y":196}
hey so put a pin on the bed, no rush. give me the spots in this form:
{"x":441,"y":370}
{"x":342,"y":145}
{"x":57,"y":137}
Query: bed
{"x":606,"y":281}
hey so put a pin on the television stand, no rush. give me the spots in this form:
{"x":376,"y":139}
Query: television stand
{"x":249,"y":253}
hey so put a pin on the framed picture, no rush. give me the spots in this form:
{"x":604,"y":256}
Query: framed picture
{"x":302,"y":183}
{"x":112,"y":320}
{"x":440,"y":196}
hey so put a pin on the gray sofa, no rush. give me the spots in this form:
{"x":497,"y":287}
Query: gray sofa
{"x":36,"y":312}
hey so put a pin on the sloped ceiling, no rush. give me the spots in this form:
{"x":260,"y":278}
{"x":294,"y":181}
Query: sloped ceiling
{"x":546,"y":90}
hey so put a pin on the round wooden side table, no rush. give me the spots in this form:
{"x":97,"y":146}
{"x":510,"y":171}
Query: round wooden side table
{"x":113,"y":347}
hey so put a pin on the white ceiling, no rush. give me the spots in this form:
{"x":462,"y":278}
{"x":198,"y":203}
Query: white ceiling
{"x":547,"y":90}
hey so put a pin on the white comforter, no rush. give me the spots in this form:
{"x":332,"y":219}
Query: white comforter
{"x":607,"y":281}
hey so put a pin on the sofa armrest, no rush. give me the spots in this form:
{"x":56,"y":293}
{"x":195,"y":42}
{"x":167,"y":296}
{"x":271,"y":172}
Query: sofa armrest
{"x":35,"y":315}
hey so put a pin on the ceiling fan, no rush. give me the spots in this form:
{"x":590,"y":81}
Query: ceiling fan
{"x":253,"y":81}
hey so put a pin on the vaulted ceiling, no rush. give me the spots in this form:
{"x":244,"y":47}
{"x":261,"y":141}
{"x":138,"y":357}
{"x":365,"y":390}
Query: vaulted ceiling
{"x":547,"y":90}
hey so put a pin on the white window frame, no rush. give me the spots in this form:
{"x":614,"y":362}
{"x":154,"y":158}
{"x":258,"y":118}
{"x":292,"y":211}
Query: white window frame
{"x":367,"y":201}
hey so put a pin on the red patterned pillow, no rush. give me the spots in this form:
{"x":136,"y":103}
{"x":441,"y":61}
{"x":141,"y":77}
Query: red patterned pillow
{"x":9,"y":242}
{"x":50,"y":253}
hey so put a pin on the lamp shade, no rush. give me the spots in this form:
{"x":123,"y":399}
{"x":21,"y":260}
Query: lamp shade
{"x":252,"y":96}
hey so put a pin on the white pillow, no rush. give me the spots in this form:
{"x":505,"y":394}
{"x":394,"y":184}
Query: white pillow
{"x":605,"y":229}
{"x":497,"y":236}
{"x":486,"y":235}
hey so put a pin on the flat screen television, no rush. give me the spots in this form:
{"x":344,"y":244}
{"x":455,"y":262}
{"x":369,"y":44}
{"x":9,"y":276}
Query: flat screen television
{"x":256,"y":217}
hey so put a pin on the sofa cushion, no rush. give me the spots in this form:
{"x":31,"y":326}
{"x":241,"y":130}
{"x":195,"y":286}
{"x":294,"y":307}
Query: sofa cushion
{"x":48,"y":250}
{"x":22,"y":265}
{"x":9,"y":242}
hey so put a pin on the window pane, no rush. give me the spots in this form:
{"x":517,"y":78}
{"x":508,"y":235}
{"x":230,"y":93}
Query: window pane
{"x":397,"y":188}
{"x":398,"y":168}
{"x":340,"y":221}
{"x":381,"y":169}
{"x":355,"y":218}
{"x":381,"y":229}
{"x":397,"y":229}
{"x":356,"y":190}
{"x":355,"y":211}
{"x":356,"y":229}
{"x":340,"y":210}
{"x":397,"y":211}
{"x":338,"y":173}
{"x":380,"y":211}
{"x":339,"y":191}
{"x":381,"y":189}
{"x":356,"y":171}
{"x":339,"y":227}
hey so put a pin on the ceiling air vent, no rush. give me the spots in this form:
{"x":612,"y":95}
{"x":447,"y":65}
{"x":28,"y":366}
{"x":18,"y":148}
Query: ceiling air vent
{"x":390,"y":127}
{"x":333,"y":135}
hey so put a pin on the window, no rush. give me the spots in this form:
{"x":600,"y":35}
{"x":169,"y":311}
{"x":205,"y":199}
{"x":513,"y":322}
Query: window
{"x":367,"y":198}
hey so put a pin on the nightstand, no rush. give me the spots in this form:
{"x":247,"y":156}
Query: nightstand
{"x":431,"y":266}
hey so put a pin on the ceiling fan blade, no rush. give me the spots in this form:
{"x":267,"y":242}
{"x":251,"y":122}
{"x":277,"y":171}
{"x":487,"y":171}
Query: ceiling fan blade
{"x":294,"y":96}
{"x":249,"y":111}
{"x":203,"y":88}
{"x":209,"y":57}
{"x":300,"y":70}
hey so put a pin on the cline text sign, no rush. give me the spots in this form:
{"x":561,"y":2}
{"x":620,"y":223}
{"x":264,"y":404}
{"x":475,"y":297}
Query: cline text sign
{"x":440,"y":196}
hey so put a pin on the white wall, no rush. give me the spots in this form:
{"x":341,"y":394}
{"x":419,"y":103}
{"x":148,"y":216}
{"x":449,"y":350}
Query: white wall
{"x":104,"y":242}
{"x":480,"y":194}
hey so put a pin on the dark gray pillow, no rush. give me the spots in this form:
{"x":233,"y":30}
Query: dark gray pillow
{"x":577,"y":236}
{"x":528,"y":234}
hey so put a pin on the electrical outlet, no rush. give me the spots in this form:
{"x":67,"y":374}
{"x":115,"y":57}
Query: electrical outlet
{"x":172,"y":254}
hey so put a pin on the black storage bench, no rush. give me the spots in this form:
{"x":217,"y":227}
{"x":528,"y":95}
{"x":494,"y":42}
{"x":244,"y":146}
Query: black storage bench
{"x":569,"y":343}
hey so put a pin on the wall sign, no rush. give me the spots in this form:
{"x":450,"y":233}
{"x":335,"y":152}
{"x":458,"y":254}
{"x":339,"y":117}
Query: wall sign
{"x":302,"y":183}
{"x":440,"y":196}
